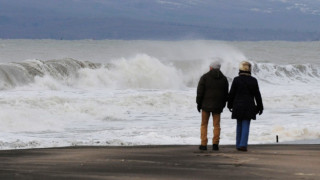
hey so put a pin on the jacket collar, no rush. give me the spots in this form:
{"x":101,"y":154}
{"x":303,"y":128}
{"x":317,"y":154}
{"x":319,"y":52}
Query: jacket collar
{"x":246,"y":73}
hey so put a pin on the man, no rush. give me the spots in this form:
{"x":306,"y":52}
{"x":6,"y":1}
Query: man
{"x":212,"y":94}
{"x":244,"y":102}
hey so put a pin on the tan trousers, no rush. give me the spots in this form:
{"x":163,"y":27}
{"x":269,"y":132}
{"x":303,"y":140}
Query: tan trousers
{"x":204,"y":128}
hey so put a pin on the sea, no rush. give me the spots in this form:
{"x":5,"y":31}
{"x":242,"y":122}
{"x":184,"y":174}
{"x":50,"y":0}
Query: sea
{"x":56,"y":93}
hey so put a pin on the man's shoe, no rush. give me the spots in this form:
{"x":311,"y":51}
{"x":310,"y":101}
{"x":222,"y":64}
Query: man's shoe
{"x":203,"y":148}
{"x":215,"y":147}
{"x":242,"y":149}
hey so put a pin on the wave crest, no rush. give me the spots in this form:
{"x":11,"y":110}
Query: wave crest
{"x":280,"y":74}
{"x":140,"y":71}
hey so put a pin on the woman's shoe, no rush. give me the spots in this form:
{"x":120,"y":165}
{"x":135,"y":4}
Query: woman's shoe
{"x":242,"y":149}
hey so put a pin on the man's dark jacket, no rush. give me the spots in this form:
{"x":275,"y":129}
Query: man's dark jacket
{"x":212,"y":91}
{"x":243,"y":94}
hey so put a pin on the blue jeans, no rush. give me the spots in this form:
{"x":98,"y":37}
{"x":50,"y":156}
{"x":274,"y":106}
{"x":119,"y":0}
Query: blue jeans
{"x":243,"y":127}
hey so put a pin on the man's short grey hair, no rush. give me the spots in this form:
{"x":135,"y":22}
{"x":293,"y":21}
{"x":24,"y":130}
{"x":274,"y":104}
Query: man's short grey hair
{"x":215,"y":65}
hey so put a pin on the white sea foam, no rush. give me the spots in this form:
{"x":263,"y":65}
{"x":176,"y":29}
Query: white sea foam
{"x":144,"y":98}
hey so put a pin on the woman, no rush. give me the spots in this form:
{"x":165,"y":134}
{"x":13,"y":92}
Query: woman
{"x":244,"y":102}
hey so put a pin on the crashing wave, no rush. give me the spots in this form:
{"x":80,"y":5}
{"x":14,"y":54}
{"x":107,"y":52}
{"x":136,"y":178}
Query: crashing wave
{"x":141,"y":71}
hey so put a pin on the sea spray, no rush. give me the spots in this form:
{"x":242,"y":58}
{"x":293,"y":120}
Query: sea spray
{"x":141,"y":71}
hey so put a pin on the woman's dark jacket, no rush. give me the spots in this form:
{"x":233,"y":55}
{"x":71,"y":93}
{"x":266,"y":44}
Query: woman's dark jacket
{"x":243,"y":94}
{"x":212,"y":91}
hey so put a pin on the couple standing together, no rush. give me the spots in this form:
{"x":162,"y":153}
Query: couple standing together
{"x":244,"y":101}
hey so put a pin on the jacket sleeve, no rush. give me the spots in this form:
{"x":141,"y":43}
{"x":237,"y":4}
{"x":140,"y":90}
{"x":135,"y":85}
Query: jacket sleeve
{"x":231,"y":94}
{"x":226,"y":91}
{"x":258,"y":98}
{"x":200,"y":91}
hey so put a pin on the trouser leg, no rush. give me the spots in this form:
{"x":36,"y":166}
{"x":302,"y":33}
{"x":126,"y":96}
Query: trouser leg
{"x":204,"y":127}
{"x":238,"y":133}
{"x":245,"y":133}
{"x":216,"y":128}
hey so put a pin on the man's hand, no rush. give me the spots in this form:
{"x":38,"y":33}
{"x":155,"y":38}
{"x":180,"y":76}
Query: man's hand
{"x":260,"y":111}
{"x":199,"y":108}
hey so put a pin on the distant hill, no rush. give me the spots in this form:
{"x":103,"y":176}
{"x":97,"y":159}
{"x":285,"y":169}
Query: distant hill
{"x":294,"y":20}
